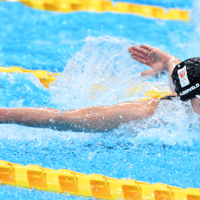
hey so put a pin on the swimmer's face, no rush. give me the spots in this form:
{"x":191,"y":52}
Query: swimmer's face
{"x":196,"y":105}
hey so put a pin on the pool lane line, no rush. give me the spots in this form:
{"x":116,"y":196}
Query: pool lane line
{"x":45,"y":77}
{"x":148,"y":11}
{"x":96,"y":185}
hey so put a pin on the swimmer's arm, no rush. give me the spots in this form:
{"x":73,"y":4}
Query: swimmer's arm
{"x":93,"y":119}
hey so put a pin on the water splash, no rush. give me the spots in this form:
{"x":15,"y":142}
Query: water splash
{"x":174,"y":122}
{"x":102,"y":73}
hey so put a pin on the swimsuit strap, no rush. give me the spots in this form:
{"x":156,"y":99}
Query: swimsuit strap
{"x":168,"y":98}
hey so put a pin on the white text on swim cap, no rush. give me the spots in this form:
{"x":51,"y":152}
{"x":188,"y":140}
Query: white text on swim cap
{"x":189,"y":89}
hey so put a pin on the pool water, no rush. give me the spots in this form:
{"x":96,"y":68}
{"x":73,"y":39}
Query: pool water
{"x":89,"y":49}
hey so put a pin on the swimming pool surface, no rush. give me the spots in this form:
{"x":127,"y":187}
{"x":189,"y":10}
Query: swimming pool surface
{"x":88,"y":49}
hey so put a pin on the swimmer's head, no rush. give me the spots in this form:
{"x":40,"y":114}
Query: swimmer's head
{"x":186,"y":79}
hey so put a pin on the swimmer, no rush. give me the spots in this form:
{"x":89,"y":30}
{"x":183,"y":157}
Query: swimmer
{"x":184,"y":80}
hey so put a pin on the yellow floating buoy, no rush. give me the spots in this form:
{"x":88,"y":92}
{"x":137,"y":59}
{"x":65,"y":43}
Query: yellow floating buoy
{"x":108,"y":6}
{"x":96,"y":185}
{"x":45,"y":77}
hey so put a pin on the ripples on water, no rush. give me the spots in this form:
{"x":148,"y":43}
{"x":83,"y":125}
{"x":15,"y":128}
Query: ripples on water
{"x":163,"y":148}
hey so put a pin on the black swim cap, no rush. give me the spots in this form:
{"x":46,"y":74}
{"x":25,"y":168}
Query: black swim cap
{"x":186,"y":78}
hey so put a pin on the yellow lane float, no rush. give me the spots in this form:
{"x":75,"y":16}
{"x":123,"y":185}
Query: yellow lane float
{"x":45,"y":77}
{"x":96,"y":185}
{"x":108,"y":6}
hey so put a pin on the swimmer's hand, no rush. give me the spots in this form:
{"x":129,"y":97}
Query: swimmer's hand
{"x":151,"y":56}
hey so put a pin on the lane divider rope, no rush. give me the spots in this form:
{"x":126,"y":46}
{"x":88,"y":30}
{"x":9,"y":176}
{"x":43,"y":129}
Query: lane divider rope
{"x":45,"y":77}
{"x":79,"y":184}
{"x":96,"y":185}
{"x":108,"y":6}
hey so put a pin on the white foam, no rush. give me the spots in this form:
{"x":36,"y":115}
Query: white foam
{"x":173,"y":123}
{"x":102,"y":73}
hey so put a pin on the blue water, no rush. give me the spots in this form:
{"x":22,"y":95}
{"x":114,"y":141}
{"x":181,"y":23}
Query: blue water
{"x":87,"y":49}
